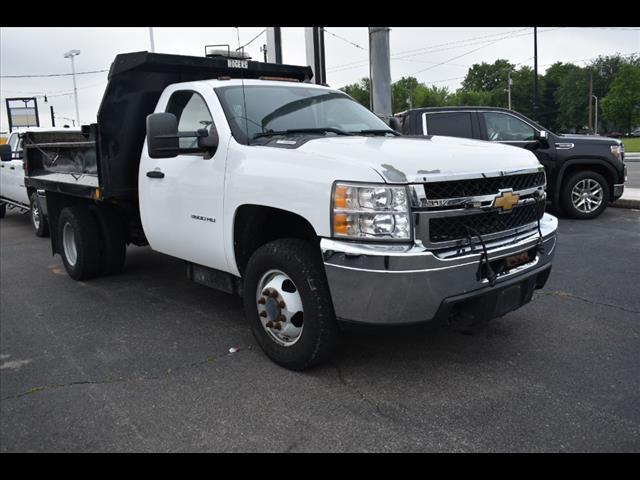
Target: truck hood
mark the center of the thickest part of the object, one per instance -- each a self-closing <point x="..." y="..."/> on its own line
<point x="416" y="159"/>
<point x="588" y="139"/>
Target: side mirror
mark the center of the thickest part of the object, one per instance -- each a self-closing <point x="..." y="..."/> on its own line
<point x="5" y="153"/>
<point x="208" y="140"/>
<point x="394" y="123"/>
<point x="162" y="135"/>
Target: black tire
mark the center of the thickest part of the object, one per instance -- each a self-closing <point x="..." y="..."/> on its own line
<point x="3" y="209"/>
<point x="301" y="262"/>
<point x="565" y="196"/>
<point x="86" y="234"/>
<point x="40" y="225"/>
<point x="113" y="240"/>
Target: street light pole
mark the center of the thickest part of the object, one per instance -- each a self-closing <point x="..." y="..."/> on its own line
<point x="70" y="54"/>
<point x="596" y="125"/>
<point x="509" y="82"/>
<point x="153" y="46"/>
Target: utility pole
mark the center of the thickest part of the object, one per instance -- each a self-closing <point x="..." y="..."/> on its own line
<point x="590" y="98"/>
<point x="153" y="46"/>
<point x="314" y="46"/>
<point x="263" y="49"/>
<point x="596" y="125"/>
<point x="53" y="118"/>
<point x="380" y="71"/>
<point x="274" y="45"/>
<point x="535" y="72"/>
<point x="509" y="83"/>
<point x="70" y="54"/>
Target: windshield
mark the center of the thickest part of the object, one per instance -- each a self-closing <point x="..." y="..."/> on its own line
<point x="293" y="110"/>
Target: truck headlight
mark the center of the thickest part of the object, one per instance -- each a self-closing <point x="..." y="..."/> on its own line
<point x="370" y="211"/>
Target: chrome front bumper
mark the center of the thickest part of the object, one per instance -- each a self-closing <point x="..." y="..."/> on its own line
<point x="399" y="284"/>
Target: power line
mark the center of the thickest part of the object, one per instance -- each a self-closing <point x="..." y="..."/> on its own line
<point x="431" y="48"/>
<point x="456" y="57"/>
<point x="54" y="74"/>
<point x="253" y="39"/>
<point x="345" y="40"/>
<point x="464" y="41"/>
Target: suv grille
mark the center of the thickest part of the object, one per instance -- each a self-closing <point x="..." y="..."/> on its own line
<point x="482" y="186"/>
<point x="454" y="228"/>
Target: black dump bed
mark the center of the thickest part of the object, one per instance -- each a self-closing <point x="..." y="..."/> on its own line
<point x="109" y="154"/>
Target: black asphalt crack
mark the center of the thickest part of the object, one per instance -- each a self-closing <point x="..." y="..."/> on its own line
<point x="586" y="300"/>
<point x="168" y="373"/>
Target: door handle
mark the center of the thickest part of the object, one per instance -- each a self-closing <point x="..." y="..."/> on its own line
<point x="12" y="168"/>
<point x="155" y="174"/>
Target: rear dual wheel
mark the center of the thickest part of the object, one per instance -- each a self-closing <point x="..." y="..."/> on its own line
<point x="91" y="243"/>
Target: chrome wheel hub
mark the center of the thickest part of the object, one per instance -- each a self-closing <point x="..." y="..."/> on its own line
<point x="587" y="195"/>
<point x="280" y="308"/>
<point x="69" y="244"/>
<point x="35" y="215"/>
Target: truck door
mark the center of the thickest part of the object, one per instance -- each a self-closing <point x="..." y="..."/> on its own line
<point x="505" y="128"/>
<point x="13" y="173"/>
<point x="181" y="197"/>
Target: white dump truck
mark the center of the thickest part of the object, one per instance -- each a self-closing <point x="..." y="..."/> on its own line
<point x="296" y="197"/>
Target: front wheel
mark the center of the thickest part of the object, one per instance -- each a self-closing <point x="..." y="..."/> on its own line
<point x="38" y="222"/>
<point x="288" y="304"/>
<point x="585" y="195"/>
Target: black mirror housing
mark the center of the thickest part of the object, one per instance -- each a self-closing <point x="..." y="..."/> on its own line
<point x="394" y="123"/>
<point x="5" y="153"/>
<point x="162" y="135"/>
<point x="163" y="138"/>
<point x="209" y="140"/>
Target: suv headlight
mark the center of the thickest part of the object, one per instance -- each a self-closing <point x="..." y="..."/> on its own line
<point x="617" y="150"/>
<point x="370" y="211"/>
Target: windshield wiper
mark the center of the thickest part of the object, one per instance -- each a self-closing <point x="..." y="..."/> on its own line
<point x="273" y="133"/>
<point x="375" y="132"/>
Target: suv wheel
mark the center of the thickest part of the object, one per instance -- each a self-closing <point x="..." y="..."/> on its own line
<point x="585" y="195"/>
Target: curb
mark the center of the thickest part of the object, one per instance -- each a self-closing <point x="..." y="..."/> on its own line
<point x="626" y="203"/>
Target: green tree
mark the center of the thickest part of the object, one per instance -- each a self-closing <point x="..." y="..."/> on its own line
<point x="606" y="68"/>
<point x="487" y="77"/>
<point x="403" y="92"/>
<point x="432" y="96"/>
<point x="360" y="91"/>
<point x="522" y="92"/>
<point x="622" y="103"/>
<point x="548" y="114"/>
<point x="573" y="100"/>
<point x="470" y="98"/>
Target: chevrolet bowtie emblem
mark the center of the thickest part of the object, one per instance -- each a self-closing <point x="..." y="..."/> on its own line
<point x="506" y="200"/>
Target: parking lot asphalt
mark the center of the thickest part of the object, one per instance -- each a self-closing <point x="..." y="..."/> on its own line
<point x="141" y="362"/>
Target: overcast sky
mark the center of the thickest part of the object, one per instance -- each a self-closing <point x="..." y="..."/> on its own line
<point x="433" y="55"/>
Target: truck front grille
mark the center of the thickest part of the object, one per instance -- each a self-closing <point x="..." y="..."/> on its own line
<point x="446" y="213"/>
<point x="445" y="229"/>
<point x="482" y="186"/>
